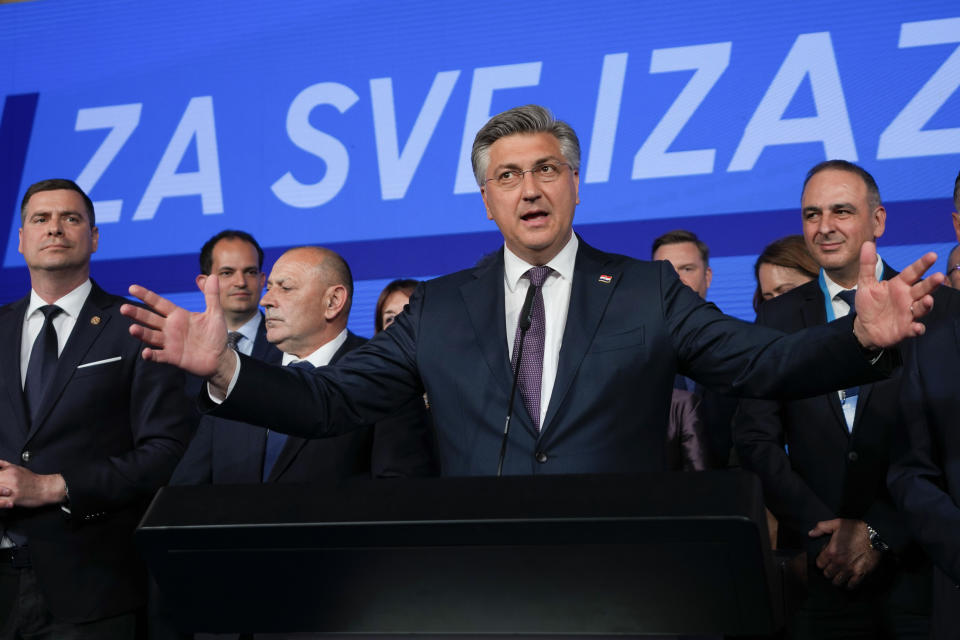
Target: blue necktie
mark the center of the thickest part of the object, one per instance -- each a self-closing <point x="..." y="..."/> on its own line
<point x="275" y="441"/>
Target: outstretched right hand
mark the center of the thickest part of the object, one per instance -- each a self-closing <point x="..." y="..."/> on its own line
<point x="195" y="342"/>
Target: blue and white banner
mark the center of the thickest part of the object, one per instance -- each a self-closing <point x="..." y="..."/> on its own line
<point x="349" y="124"/>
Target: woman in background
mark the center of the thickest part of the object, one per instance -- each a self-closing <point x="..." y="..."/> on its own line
<point x="392" y="300"/>
<point x="783" y="265"/>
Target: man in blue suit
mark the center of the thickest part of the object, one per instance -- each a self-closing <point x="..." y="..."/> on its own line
<point x="89" y="431"/>
<point x="924" y="476"/>
<point x="607" y="336"/>
<point x="235" y="258"/>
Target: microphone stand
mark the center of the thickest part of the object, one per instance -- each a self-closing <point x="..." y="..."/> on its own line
<point x="526" y="317"/>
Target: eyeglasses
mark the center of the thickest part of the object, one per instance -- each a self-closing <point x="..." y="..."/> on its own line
<point x="543" y="172"/>
<point x="955" y="267"/>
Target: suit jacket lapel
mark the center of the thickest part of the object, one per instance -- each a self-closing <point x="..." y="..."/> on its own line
<point x="814" y="313"/>
<point x="489" y="324"/>
<point x="489" y="327"/>
<point x="588" y="301"/>
<point x="293" y="445"/>
<point x="288" y="454"/>
<point x="90" y="323"/>
<point x="11" y="324"/>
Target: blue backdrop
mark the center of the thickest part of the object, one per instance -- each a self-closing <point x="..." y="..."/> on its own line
<point x="349" y="124"/>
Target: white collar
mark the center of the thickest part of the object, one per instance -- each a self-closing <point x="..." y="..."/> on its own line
<point x="833" y="288"/>
<point x="322" y="356"/>
<point x="562" y="264"/>
<point x="71" y="303"/>
<point x="249" y="328"/>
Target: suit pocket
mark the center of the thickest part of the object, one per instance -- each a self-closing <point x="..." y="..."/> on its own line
<point x="98" y="366"/>
<point x="621" y="340"/>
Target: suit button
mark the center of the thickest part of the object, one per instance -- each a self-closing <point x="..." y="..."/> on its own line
<point x="25" y="456"/>
<point x="853" y="456"/>
<point x="541" y="457"/>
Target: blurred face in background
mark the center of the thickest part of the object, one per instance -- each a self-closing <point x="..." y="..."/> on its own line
<point x="775" y="280"/>
<point x="237" y="265"/>
<point x="393" y="305"/>
<point x="687" y="260"/>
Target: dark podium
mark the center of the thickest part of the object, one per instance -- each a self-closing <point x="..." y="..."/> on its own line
<point x="580" y="555"/>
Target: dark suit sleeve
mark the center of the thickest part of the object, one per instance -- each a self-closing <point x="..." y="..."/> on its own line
<point x="759" y="439"/>
<point x="752" y="361"/>
<point x="917" y="478"/>
<point x="160" y="423"/>
<point x="367" y="385"/>
<point x="404" y="443"/>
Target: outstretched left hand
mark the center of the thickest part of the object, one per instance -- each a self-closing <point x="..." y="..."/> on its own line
<point x="888" y="310"/>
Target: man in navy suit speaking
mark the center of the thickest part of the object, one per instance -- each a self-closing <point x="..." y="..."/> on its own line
<point x="89" y="431"/>
<point x="607" y="334"/>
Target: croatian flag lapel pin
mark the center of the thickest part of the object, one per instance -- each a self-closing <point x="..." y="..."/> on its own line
<point x="605" y="279"/>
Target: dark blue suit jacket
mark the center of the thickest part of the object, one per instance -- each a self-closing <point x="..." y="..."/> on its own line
<point x="231" y="452"/>
<point x="924" y="474"/>
<point x="630" y="328"/>
<point x="830" y="472"/>
<point x="114" y="425"/>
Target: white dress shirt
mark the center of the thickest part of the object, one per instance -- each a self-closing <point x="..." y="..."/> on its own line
<point x="556" y="302"/>
<point x="63" y="322"/>
<point x="841" y="309"/>
<point x="322" y="356"/>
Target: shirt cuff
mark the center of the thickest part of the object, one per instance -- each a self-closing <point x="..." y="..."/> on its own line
<point x="233" y="381"/>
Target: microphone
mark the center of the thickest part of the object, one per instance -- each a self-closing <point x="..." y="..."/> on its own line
<point x="526" y="313"/>
<point x="523" y="323"/>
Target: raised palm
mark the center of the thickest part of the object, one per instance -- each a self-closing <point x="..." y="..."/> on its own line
<point x="192" y="341"/>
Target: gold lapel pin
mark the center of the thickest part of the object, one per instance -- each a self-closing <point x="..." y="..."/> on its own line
<point x="95" y="320"/>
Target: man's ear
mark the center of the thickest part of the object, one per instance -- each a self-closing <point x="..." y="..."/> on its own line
<point x="336" y="301"/>
<point x="483" y="194"/>
<point x="201" y="280"/>
<point x="879" y="222"/>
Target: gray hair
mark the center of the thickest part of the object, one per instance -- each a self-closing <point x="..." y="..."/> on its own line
<point x="531" y="118"/>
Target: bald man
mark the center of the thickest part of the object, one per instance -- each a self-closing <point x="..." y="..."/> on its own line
<point x="306" y="308"/>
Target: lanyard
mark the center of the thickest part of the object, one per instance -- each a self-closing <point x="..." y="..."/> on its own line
<point x="826" y="298"/>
